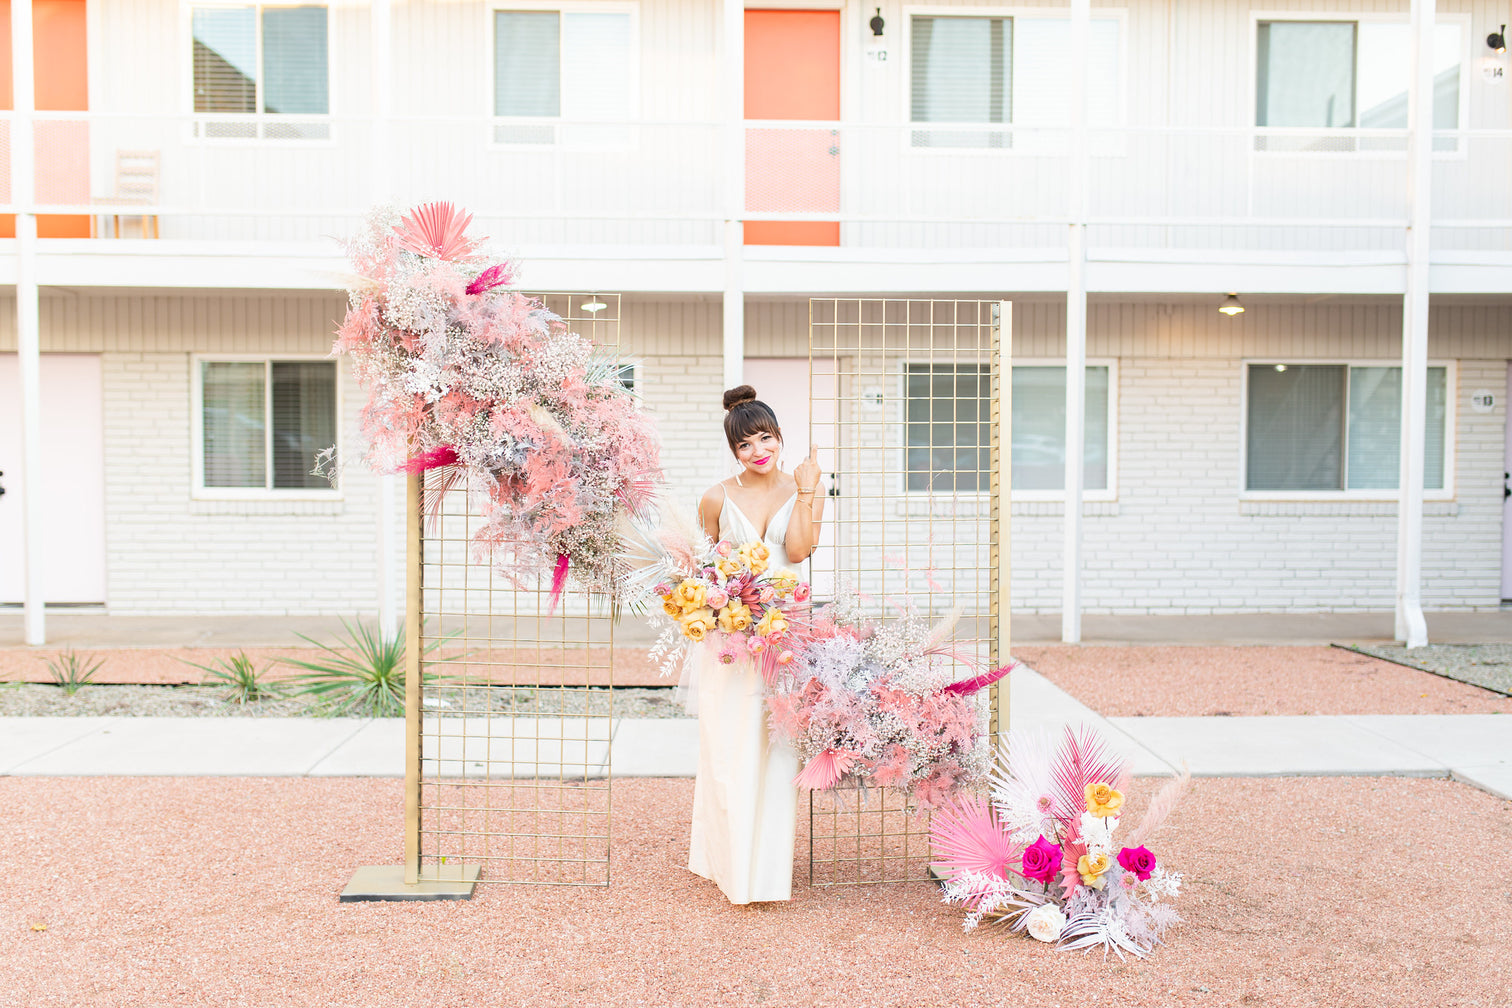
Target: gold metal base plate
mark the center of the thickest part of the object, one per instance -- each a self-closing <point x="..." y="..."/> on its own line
<point x="386" y="882"/>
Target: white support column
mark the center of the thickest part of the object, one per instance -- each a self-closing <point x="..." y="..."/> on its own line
<point x="732" y="65"/>
<point x="1411" y="628"/>
<point x="390" y="576"/>
<point x="1076" y="324"/>
<point x="28" y="323"/>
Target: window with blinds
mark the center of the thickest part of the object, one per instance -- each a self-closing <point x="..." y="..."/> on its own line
<point x="262" y="423"/>
<point x="1325" y="428"/>
<point x="573" y="67"/>
<point x="260" y="71"/>
<point x="949" y="438"/>
<point x="1342" y="75"/>
<point x="1009" y="70"/>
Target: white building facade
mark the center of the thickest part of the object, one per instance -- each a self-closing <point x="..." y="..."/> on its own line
<point x="164" y="391"/>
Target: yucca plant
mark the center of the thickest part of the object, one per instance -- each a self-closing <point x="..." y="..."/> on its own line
<point x="361" y="676"/>
<point x="71" y="671"/>
<point x="241" y="680"/>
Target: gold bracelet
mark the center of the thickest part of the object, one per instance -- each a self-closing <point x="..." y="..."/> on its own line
<point x="808" y="490"/>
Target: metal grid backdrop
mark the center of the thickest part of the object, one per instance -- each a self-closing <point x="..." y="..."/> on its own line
<point x="508" y="732"/>
<point x="919" y="455"/>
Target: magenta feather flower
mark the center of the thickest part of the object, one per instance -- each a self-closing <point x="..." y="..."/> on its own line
<point x="965" y="837"/>
<point x="436" y="230"/>
<point x="969" y="686"/>
<point x="490" y="278"/>
<point x="436" y="458"/>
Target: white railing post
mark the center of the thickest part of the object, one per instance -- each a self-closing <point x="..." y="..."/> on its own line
<point x="733" y="65"/>
<point x="381" y="148"/>
<point x="1411" y="628"/>
<point x="1076" y="325"/>
<point x="28" y="322"/>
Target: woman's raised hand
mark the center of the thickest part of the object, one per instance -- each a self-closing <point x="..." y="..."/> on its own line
<point x="806" y="473"/>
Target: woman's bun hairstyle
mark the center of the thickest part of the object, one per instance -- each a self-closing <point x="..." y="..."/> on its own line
<point x="746" y="416"/>
<point x="740" y="394"/>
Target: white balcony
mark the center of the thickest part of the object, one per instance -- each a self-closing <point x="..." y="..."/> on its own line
<point x="266" y="201"/>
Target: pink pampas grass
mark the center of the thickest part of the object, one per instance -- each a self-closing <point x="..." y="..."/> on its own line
<point x="490" y="278"/>
<point x="558" y="581"/>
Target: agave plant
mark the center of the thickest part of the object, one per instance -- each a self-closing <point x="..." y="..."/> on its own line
<point x="71" y="671"/>
<point x="361" y="676"/>
<point x="238" y="676"/>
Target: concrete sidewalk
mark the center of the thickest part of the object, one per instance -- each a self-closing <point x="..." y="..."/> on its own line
<point x="1474" y="748"/>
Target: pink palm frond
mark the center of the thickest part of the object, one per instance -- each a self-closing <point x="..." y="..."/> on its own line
<point x="437" y="230"/>
<point x="1083" y="758"/>
<point x="824" y="771"/>
<point x="966" y="837"/>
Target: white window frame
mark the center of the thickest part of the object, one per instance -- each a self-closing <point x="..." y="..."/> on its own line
<point x="629" y="137"/>
<point x="1451" y="382"/>
<point x="198" y="490"/>
<point x="1458" y="152"/>
<point x="900" y="435"/>
<point x="260" y="120"/>
<point x="1114" y="146"/>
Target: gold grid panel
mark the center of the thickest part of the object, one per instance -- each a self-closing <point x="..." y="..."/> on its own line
<point x="511" y="725"/>
<point x="919" y="464"/>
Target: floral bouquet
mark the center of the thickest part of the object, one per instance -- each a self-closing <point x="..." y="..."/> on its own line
<point x="467" y="375"/>
<point x="1066" y="885"/>
<point x="877" y="706"/>
<point x="731" y="599"/>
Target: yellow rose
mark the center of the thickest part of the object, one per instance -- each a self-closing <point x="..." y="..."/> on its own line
<point x="784" y="582"/>
<point x="1092" y="867"/>
<point x="771" y="623"/>
<point x="1103" y="801"/>
<point x="697" y="623"/>
<point x="690" y="595"/>
<point x="756" y="556"/>
<point x="734" y="617"/>
<point x="728" y="566"/>
<point x="671" y="606"/>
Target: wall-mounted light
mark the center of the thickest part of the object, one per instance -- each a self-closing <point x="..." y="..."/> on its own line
<point x="877" y="24"/>
<point x="1231" y="306"/>
<point x="1497" y="40"/>
<point x="593" y="306"/>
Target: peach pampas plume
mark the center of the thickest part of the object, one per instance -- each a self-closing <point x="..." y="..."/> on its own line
<point x="1161" y="805"/>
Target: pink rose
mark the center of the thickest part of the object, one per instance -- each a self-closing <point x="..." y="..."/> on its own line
<point x="663" y="589"/>
<point x="1042" y="861"/>
<point x="1137" y="860"/>
<point x="756" y="645"/>
<point x="801" y="593"/>
<point x="767" y="594"/>
<point x="716" y="599"/>
<point x="784" y="657"/>
<point x="724" y="547"/>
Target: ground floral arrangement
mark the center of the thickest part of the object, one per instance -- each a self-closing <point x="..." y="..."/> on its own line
<point x="866" y="703"/>
<point x="1040" y="855"/>
<point x="466" y="375"/>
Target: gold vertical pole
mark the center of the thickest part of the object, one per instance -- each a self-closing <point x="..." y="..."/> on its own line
<point x="1002" y="508"/>
<point x="412" y="651"/>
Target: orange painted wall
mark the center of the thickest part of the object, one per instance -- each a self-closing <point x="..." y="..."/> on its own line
<point x="61" y="55"/>
<point x="792" y="71"/>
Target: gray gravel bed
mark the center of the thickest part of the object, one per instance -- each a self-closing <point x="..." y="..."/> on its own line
<point x="38" y="700"/>
<point x="1488" y="666"/>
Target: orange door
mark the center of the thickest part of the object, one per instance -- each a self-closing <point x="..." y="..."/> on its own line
<point x="61" y="59"/>
<point x="792" y="71"/>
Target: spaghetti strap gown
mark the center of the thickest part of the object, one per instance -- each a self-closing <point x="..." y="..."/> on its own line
<point x="744" y="799"/>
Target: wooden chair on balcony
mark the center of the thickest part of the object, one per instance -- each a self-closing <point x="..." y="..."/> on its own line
<point x="136" y="184"/>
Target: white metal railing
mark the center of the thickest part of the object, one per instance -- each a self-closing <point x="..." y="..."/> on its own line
<point x="911" y="185"/>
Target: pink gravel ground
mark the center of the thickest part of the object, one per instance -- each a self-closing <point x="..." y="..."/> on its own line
<point x="166" y="892"/>
<point x="168" y="666"/>
<point x="1191" y="681"/>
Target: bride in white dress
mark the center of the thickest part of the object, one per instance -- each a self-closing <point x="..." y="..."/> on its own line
<point x="744" y="799"/>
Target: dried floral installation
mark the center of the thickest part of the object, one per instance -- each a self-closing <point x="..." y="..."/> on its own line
<point x="1040" y="856"/>
<point x="466" y="375"/>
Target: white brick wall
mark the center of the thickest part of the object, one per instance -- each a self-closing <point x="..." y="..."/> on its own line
<point x="170" y="553"/>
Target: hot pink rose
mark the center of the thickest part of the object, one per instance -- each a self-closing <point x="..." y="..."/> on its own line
<point x="1137" y="860"/>
<point x="801" y="593"/>
<point x="1042" y="861"/>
